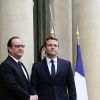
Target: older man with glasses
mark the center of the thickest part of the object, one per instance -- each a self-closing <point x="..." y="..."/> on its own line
<point x="14" y="79"/>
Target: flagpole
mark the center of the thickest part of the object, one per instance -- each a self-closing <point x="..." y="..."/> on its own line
<point x="80" y="81"/>
<point x="52" y="32"/>
<point x="77" y="34"/>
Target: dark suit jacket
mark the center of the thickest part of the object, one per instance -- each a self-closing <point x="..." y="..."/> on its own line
<point x="42" y="84"/>
<point x="13" y="83"/>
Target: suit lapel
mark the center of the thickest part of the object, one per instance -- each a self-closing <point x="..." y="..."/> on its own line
<point x="45" y="66"/>
<point x="58" y="66"/>
<point x="16" y="64"/>
<point x="59" y="69"/>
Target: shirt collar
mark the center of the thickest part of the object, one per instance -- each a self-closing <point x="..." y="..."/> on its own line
<point x="14" y="58"/>
<point x="48" y="59"/>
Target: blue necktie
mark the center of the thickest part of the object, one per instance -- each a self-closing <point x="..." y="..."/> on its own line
<point x="52" y="69"/>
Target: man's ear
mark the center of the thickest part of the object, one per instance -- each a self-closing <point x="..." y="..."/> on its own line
<point x="9" y="49"/>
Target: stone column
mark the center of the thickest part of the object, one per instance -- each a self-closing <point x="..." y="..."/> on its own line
<point x="63" y="27"/>
<point x="86" y="15"/>
<point x="16" y="19"/>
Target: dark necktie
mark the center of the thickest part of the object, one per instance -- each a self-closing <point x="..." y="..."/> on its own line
<point x="23" y="69"/>
<point x="20" y="66"/>
<point x="52" y="69"/>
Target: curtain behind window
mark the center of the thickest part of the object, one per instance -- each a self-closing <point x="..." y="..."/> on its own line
<point x="43" y="22"/>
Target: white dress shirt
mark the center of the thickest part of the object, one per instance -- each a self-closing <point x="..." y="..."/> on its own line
<point x="49" y="63"/>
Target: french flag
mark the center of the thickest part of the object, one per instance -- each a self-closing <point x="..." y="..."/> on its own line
<point x="79" y="77"/>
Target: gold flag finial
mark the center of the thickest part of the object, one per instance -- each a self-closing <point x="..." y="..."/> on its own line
<point x="52" y="33"/>
<point x="77" y="33"/>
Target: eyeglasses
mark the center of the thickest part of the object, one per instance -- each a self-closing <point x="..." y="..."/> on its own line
<point x="18" y="46"/>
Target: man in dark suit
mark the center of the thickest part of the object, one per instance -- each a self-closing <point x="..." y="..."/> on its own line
<point x="52" y="78"/>
<point x="14" y="79"/>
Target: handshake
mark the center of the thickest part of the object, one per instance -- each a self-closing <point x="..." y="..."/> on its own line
<point x="34" y="97"/>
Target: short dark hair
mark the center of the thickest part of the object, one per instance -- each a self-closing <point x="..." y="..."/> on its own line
<point x="50" y="38"/>
<point x="9" y="44"/>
